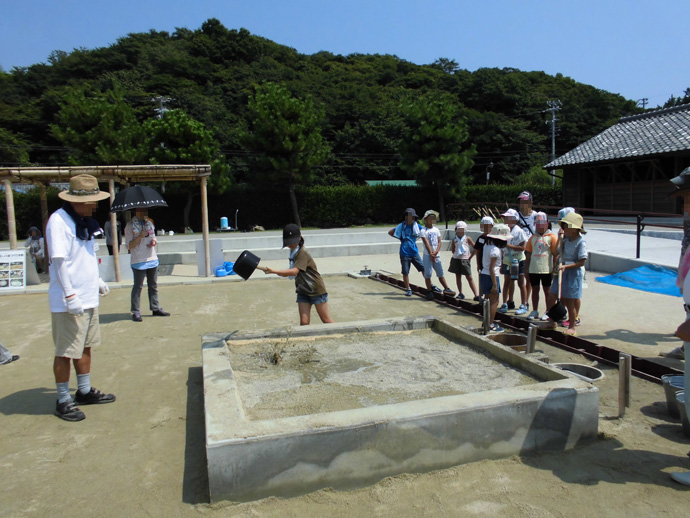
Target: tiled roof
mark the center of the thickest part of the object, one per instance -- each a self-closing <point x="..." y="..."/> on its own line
<point x="651" y="133"/>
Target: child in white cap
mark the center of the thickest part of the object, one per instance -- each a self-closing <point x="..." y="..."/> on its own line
<point x="515" y="250"/>
<point x="463" y="249"/>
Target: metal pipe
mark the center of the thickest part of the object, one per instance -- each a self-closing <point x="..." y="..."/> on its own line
<point x="531" y="338"/>
<point x="486" y="316"/>
<point x="624" y="374"/>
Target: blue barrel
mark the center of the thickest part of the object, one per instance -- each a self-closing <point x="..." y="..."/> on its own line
<point x="223" y="222"/>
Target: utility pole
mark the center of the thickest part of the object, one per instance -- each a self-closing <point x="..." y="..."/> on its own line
<point x="643" y="102"/>
<point x="161" y="105"/>
<point x="553" y="107"/>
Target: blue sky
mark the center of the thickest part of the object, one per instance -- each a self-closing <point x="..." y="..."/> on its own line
<point x="634" y="48"/>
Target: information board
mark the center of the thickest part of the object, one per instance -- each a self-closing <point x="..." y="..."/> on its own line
<point x="12" y="270"/>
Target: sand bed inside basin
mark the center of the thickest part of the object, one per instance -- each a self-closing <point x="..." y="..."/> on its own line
<point x="284" y="377"/>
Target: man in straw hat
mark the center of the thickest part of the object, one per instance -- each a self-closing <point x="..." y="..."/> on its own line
<point x="73" y="294"/>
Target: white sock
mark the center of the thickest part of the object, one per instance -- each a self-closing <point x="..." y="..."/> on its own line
<point x="84" y="383"/>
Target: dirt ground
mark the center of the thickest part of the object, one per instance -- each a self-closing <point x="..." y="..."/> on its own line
<point x="144" y="455"/>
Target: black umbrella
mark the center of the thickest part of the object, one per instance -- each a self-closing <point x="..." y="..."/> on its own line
<point x="137" y="197"/>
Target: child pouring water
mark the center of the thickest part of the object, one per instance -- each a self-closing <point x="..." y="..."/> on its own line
<point x="542" y="260"/>
<point x="309" y="285"/>
<point x="463" y="249"/>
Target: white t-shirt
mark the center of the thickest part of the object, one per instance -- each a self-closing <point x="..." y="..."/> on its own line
<point x="491" y="250"/>
<point x="80" y="259"/>
<point x="517" y="237"/>
<point x="432" y="235"/>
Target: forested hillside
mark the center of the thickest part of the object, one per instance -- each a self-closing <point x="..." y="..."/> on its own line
<point x="211" y="73"/>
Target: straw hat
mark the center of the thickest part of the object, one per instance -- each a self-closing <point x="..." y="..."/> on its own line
<point x="83" y="188"/>
<point x="500" y="231"/>
<point x="430" y="213"/>
<point x="573" y="220"/>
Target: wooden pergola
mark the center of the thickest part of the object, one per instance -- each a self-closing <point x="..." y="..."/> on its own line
<point x="122" y="174"/>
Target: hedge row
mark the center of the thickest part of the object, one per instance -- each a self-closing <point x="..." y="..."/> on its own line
<point x="324" y="207"/>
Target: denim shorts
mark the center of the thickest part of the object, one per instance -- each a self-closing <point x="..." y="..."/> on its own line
<point x="486" y="285"/>
<point x="316" y="299"/>
<point x="405" y="261"/>
<point x="505" y="268"/>
<point x="432" y="266"/>
<point x="572" y="284"/>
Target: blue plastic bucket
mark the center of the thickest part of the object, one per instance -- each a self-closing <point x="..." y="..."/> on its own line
<point x="220" y="271"/>
<point x="223" y="222"/>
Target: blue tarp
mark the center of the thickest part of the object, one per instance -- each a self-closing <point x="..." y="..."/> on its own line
<point x="656" y="279"/>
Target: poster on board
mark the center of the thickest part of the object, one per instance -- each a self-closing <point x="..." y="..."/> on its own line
<point x="12" y="270"/>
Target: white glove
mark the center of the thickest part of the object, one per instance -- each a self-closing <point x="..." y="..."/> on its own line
<point x="103" y="288"/>
<point x="74" y="305"/>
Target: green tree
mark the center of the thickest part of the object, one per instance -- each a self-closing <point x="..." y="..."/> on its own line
<point x="285" y="134"/>
<point x="13" y="149"/>
<point x="99" y="128"/>
<point x="432" y="150"/>
<point x="176" y="138"/>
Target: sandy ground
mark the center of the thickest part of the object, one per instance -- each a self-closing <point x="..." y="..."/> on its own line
<point x="144" y="455"/>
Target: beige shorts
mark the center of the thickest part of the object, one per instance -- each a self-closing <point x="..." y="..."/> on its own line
<point x="73" y="333"/>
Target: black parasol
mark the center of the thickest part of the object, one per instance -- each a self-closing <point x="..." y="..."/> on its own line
<point x="137" y="197"/>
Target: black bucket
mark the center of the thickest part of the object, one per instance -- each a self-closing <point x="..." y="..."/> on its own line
<point x="557" y="312"/>
<point x="246" y="264"/>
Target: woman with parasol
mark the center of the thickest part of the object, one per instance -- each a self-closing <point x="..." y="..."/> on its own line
<point x="140" y="238"/>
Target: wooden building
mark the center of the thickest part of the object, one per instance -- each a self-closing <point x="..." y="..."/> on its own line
<point x="628" y="166"/>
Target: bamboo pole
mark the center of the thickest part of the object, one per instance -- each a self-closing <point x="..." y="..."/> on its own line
<point x="204" y="224"/>
<point x="44" y="225"/>
<point x="113" y="226"/>
<point x="11" y="223"/>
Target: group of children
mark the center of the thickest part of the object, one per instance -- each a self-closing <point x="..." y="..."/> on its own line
<point x="523" y="250"/>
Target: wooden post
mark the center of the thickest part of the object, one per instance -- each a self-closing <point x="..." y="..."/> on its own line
<point x="204" y="224"/>
<point x="44" y="225"/>
<point x="113" y="226"/>
<point x="11" y="223"/>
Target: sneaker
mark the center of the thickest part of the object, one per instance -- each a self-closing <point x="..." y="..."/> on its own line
<point x="534" y="315"/>
<point x="68" y="411"/>
<point x="93" y="397"/>
<point x="436" y="288"/>
<point x="545" y="318"/>
<point x="477" y="298"/>
<point x="681" y="478"/>
<point x="676" y="354"/>
<point x="511" y="304"/>
<point x="566" y="323"/>
<point x="460" y="296"/>
<point x="503" y="308"/>
<point x="136" y="316"/>
<point x="160" y="313"/>
<point x="408" y="292"/>
<point x="430" y="295"/>
<point x="495" y="328"/>
<point x="524" y="308"/>
<point x="450" y="292"/>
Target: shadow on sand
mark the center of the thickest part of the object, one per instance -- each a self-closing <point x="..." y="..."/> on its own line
<point x="195" y="479"/>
